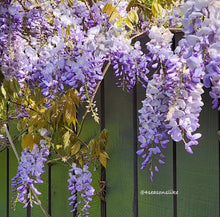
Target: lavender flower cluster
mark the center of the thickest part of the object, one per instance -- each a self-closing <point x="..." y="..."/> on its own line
<point x="173" y="101"/>
<point x="65" y="46"/>
<point x="173" y="96"/>
<point x="80" y="185"/>
<point x="29" y="173"/>
<point x="201" y="46"/>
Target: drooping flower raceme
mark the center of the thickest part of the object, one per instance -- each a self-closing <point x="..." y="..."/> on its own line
<point x="80" y="186"/>
<point x="173" y="102"/>
<point x="153" y="129"/>
<point x="29" y="173"/>
<point x="201" y="49"/>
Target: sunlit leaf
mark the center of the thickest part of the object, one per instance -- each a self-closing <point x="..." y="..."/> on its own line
<point x="111" y="11"/>
<point x="68" y="30"/>
<point x="133" y="17"/>
<point x="27" y="142"/>
<point x="3" y="92"/>
<point x="103" y="159"/>
<point x="59" y="147"/>
<point x="75" y="148"/>
<point x="156" y="8"/>
<point x="66" y="139"/>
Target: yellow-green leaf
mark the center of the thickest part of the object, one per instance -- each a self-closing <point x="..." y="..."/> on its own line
<point x="70" y="113"/>
<point x="68" y="30"/>
<point x="133" y="17"/>
<point x="75" y="148"/>
<point x="27" y="142"/>
<point x="59" y="147"/>
<point x="66" y="139"/>
<point x="103" y="159"/>
<point x="111" y="11"/>
<point x="156" y="8"/>
<point x="3" y="91"/>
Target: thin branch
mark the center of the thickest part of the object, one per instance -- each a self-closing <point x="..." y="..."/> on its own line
<point x="40" y="204"/>
<point x="31" y="7"/>
<point x="93" y="97"/>
<point x="87" y="5"/>
<point x="10" y="141"/>
<point x="26" y="107"/>
<point x="139" y="34"/>
<point x="16" y="137"/>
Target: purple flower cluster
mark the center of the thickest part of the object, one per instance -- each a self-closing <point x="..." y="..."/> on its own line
<point x="153" y="129"/>
<point x="173" y="101"/>
<point x="67" y="46"/>
<point x="129" y="63"/>
<point x="201" y="46"/>
<point x="80" y="186"/>
<point x="29" y="173"/>
<point x="185" y="102"/>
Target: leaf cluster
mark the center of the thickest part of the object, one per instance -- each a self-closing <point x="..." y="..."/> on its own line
<point x="98" y="148"/>
<point x="150" y="8"/>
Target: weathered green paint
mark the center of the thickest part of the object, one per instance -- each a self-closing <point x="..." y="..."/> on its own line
<point x="91" y="130"/>
<point x="60" y="193"/>
<point x="119" y="122"/>
<point x="3" y="183"/>
<point x="150" y="204"/>
<point x="198" y="173"/>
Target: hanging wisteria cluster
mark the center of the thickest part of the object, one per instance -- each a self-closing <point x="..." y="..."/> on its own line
<point x="29" y="173"/>
<point x="54" y="55"/>
<point x="80" y="183"/>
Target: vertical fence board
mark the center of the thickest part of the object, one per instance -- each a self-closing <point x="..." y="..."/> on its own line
<point x="3" y="183"/>
<point x="119" y="122"/>
<point x="198" y="173"/>
<point x="91" y="130"/>
<point x="60" y="193"/>
<point x="152" y="204"/>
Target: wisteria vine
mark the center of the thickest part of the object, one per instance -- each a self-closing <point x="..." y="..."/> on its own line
<point x="54" y="56"/>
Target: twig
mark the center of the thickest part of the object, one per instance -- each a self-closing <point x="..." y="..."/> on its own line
<point x="93" y="97"/>
<point x="10" y="141"/>
<point x="26" y="107"/>
<point x="40" y="204"/>
<point x="31" y="7"/>
<point x="87" y="5"/>
<point x="139" y="34"/>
